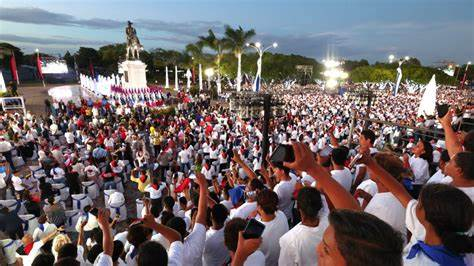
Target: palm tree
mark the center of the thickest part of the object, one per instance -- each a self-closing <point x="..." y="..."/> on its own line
<point x="218" y="45"/>
<point x="237" y="39"/>
<point x="195" y="50"/>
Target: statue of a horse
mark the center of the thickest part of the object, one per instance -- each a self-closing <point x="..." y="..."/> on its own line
<point x="133" y="48"/>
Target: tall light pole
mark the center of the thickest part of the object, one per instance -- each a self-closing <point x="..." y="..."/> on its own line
<point x="465" y="74"/>
<point x="260" y="50"/>
<point x="399" y="73"/>
<point x="209" y="73"/>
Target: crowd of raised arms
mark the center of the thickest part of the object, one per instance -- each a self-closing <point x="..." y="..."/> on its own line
<point x="98" y="183"/>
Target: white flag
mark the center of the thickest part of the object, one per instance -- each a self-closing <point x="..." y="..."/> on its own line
<point x="3" y="88"/>
<point x="428" y="101"/>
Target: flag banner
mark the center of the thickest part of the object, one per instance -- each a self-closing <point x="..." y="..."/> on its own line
<point x="399" y="79"/>
<point x="39" y="66"/>
<point x="3" y="88"/>
<point x="428" y="101"/>
<point x="91" y="70"/>
<point x="13" y="68"/>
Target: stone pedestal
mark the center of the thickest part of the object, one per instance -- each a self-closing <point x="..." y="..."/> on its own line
<point x="134" y="74"/>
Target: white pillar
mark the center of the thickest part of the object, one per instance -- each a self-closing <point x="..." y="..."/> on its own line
<point x="188" y="77"/>
<point x="176" y="82"/>
<point x="200" y="78"/>
<point x="167" y="84"/>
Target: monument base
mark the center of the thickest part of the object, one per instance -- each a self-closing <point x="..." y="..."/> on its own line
<point x="134" y="74"/>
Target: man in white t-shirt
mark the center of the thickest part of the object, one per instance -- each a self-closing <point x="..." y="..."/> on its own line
<point x="284" y="189"/>
<point x="341" y="173"/>
<point x="276" y="225"/>
<point x="184" y="159"/>
<point x="215" y="252"/>
<point x="297" y="246"/>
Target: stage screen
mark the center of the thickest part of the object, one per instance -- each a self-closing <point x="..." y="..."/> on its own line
<point x="54" y="67"/>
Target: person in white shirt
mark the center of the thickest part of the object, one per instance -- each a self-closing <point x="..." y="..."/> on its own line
<point x="440" y="174"/>
<point x="18" y="183"/>
<point x="184" y="158"/>
<point x="460" y="169"/>
<point x="297" y="246"/>
<point x="215" y="252"/>
<point x="419" y="164"/>
<point x="341" y="173"/>
<point x="242" y="251"/>
<point x="193" y="244"/>
<point x="438" y="221"/>
<point x="367" y="139"/>
<point x="284" y="189"/>
<point x="276" y="225"/>
<point x="208" y="170"/>
<point x="347" y="225"/>
<point x="384" y="205"/>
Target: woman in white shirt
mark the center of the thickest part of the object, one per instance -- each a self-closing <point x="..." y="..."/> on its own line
<point x="438" y="221"/>
<point x="419" y="163"/>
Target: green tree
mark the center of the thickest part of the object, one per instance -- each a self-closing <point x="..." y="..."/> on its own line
<point x="69" y="59"/>
<point x="218" y="46"/>
<point x="236" y="39"/>
<point x="87" y="55"/>
<point x="111" y="55"/>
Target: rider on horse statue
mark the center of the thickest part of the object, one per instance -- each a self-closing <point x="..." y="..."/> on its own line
<point x="133" y="44"/>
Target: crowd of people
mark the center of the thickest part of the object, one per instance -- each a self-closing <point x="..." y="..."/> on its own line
<point x="102" y="183"/>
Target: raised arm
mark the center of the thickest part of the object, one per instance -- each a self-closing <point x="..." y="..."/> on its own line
<point x="452" y="143"/>
<point x="249" y="172"/>
<point x="107" y="240"/>
<point x="304" y="161"/>
<point x="387" y="180"/>
<point x="202" y="206"/>
<point x="149" y="221"/>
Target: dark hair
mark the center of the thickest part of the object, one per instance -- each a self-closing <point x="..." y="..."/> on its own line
<point x="43" y="259"/>
<point x="94" y="252"/>
<point x="96" y="235"/>
<point x="364" y="239"/>
<point x="219" y="214"/>
<point x="137" y="234"/>
<point x="168" y="202"/>
<point x="118" y="250"/>
<point x="256" y="184"/>
<point x="450" y="211"/>
<point x="178" y="224"/>
<point x="469" y="141"/>
<point x="267" y="200"/>
<point x="309" y="202"/>
<point x="428" y="155"/>
<point x="369" y="135"/>
<point x="183" y="200"/>
<point x="465" y="161"/>
<point x="339" y="156"/>
<point x="445" y="156"/>
<point x="152" y="253"/>
<point x="68" y="261"/>
<point x="67" y="250"/>
<point x="390" y="163"/>
<point x="166" y="216"/>
<point x="231" y="232"/>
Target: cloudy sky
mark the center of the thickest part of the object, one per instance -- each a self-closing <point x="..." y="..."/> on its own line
<point x="431" y="30"/>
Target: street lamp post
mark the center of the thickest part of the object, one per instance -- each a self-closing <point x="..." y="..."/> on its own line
<point x="260" y="51"/>
<point x="391" y="58"/>
<point x="399" y="73"/>
<point x="465" y="74"/>
<point x="209" y="73"/>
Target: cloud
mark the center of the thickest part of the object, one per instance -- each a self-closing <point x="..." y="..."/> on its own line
<point x="317" y="45"/>
<point x="44" y="17"/>
<point x="54" y="40"/>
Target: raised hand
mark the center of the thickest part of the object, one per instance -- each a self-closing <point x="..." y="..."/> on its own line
<point x="304" y="158"/>
<point x="103" y="218"/>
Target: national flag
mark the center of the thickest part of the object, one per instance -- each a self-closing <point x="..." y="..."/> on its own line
<point x="13" y="68"/>
<point x="39" y="65"/>
<point x="91" y="70"/>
